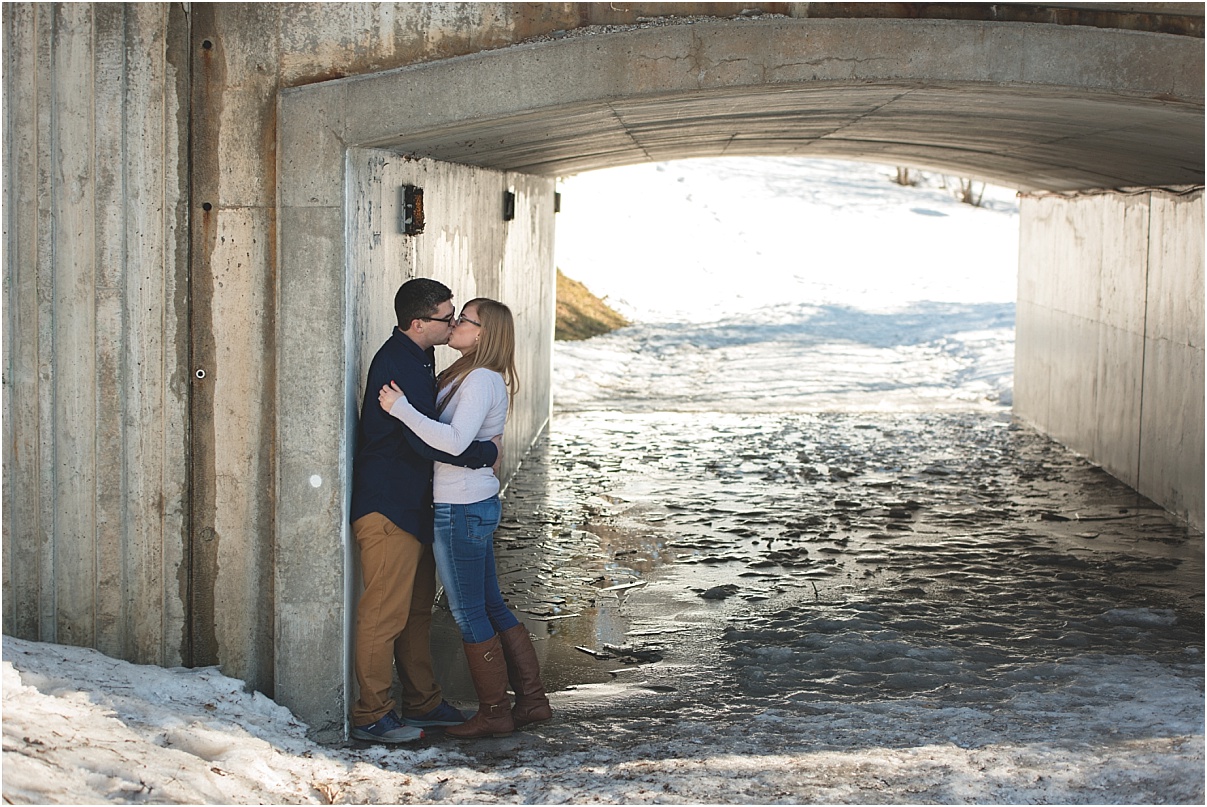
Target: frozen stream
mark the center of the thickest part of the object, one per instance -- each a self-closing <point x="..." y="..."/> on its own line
<point x="867" y="608"/>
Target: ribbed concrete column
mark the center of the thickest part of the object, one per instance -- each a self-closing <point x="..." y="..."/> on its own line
<point x="96" y="375"/>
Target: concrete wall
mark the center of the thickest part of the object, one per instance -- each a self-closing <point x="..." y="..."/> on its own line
<point x="96" y="369"/>
<point x="1109" y="335"/>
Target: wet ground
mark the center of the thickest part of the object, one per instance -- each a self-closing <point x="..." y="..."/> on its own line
<point x="854" y="583"/>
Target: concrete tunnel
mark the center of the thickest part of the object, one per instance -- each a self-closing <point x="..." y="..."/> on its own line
<point x="1101" y="129"/>
<point x="203" y="213"/>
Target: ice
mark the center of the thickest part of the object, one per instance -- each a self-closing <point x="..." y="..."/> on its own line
<point x="1140" y="617"/>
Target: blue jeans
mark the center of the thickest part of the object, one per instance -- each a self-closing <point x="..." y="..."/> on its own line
<point x="465" y="556"/>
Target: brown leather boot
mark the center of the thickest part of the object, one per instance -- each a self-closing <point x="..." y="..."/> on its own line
<point x="524" y="674"/>
<point x="489" y="670"/>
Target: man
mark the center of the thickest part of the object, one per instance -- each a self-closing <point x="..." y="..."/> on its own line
<point x="392" y="521"/>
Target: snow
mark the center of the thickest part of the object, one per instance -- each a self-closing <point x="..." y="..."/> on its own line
<point x="811" y="341"/>
<point x="82" y="728"/>
<point x="902" y="297"/>
<point x="759" y="233"/>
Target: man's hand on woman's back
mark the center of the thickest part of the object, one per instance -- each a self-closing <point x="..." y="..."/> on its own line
<point x="498" y="441"/>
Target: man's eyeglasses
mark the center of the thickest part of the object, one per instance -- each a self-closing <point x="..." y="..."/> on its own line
<point x="446" y="320"/>
<point x="464" y="318"/>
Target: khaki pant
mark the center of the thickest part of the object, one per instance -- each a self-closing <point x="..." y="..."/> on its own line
<point x="393" y="620"/>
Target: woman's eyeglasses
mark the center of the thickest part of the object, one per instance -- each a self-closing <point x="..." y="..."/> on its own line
<point x="464" y="318"/>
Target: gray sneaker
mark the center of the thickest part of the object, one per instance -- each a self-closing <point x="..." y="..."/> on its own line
<point x="387" y="729"/>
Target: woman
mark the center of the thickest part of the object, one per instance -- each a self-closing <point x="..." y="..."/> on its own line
<point x="472" y="400"/>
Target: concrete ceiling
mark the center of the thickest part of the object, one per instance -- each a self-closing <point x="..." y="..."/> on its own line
<point x="1022" y="139"/>
<point x="1030" y="106"/>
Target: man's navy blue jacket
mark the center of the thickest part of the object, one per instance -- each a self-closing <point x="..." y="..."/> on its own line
<point x="392" y="471"/>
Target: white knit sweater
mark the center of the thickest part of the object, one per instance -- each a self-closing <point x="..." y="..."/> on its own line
<point x="477" y="411"/>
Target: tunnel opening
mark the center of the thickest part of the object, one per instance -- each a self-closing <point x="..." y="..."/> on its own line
<point x="929" y="93"/>
<point x="792" y="284"/>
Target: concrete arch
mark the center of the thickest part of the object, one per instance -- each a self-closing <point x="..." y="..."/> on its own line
<point x="1037" y="107"/>
<point x="1034" y="106"/>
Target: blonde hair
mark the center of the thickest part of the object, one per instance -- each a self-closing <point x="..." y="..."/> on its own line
<point x="495" y="350"/>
